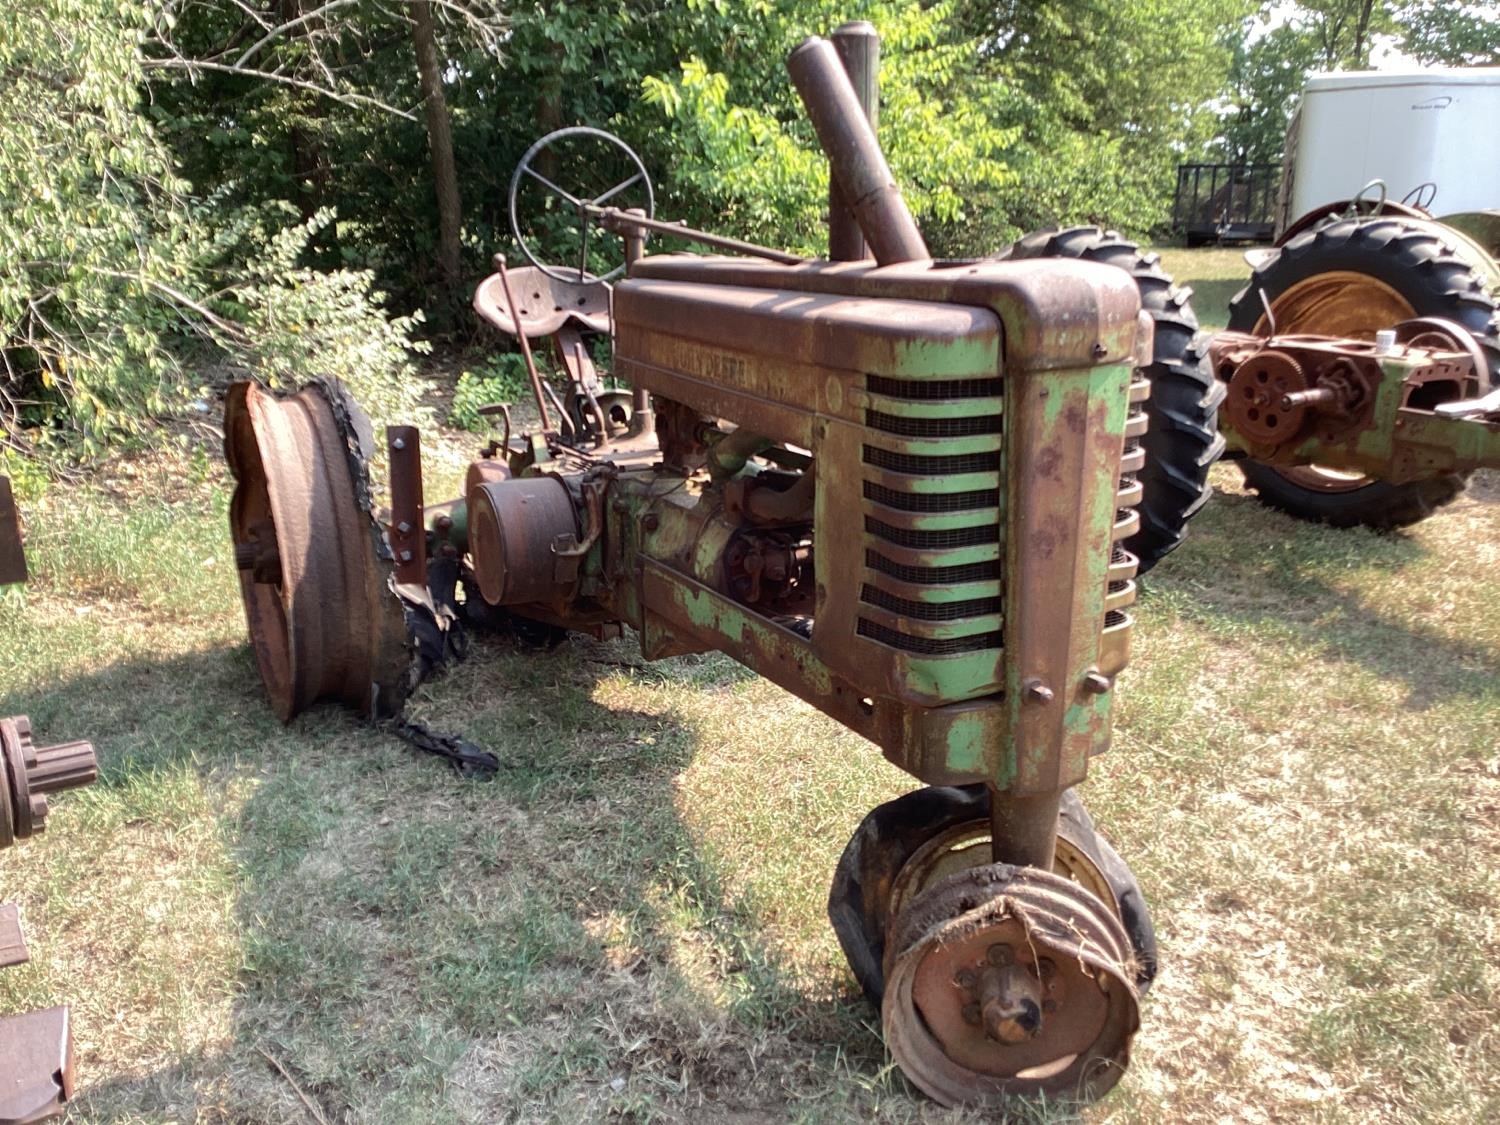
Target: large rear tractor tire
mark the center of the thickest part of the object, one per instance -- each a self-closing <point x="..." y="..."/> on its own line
<point x="1351" y="278"/>
<point x="1183" y="440"/>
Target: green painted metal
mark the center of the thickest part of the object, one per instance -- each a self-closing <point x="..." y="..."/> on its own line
<point x="1064" y="437"/>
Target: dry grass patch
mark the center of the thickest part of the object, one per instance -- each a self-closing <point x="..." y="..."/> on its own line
<point x="629" y="920"/>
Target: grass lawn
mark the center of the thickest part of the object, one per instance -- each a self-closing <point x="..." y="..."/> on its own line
<point x="259" y="923"/>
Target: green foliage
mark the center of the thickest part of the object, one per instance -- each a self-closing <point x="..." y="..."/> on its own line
<point x="1451" y="32"/>
<point x="301" y="324"/>
<point x="115" y="281"/>
<point x="1265" y="82"/>
<point x="502" y="378"/>
<point x="96" y="239"/>
<point x="757" y="170"/>
<point x="1109" y="96"/>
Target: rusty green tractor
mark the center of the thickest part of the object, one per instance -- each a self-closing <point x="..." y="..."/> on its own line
<point x="903" y="490"/>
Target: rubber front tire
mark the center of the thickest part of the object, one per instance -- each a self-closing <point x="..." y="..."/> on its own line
<point x="1183" y="441"/>
<point x="1405" y="263"/>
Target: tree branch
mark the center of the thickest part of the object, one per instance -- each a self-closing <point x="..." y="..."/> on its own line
<point x="277" y="32"/>
<point x="193" y="65"/>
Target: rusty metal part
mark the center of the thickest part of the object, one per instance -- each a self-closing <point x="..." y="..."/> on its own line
<point x="1023" y="827"/>
<point x="583" y="209"/>
<point x="1441" y="334"/>
<point x="968" y="844"/>
<point x="1361" y="412"/>
<point x="514" y="526"/>
<point x="858" y="46"/>
<point x="531" y="371"/>
<point x="1258" y="404"/>
<point x="407" y="527"/>
<point x="855" y="160"/>
<point x="12" y="549"/>
<point x="36" y="1066"/>
<point x="632" y="225"/>
<point x="29" y="772"/>
<point x="13" y="949"/>
<point x="970" y="1033"/>
<point x="324" y="622"/>
<point x="548" y="303"/>
<point x="486" y="470"/>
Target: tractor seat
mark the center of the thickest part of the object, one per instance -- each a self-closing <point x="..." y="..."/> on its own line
<point x="546" y="303"/>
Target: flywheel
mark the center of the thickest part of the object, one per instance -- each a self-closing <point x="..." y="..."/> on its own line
<point x="1005" y="982"/>
<point x="315" y="568"/>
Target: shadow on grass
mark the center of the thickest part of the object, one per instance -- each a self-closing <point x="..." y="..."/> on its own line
<point x="409" y="945"/>
<point x="1246" y="570"/>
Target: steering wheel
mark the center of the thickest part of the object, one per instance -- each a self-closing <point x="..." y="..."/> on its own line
<point x="1421" y="196"/>
<point x="586" y="207"/>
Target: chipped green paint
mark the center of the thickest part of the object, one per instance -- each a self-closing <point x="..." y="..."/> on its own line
<point x="1064" y="435"/>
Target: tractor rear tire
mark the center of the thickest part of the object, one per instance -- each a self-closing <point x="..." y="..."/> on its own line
<point x="1183" y="441"/>
<point x="1393" y="269"/>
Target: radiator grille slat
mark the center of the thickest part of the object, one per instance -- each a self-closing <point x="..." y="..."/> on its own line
<point x="930" y="611"/>
<point x="931" y="501"/>
<point x="927" y="646"/>
<point x="933" y="427"/>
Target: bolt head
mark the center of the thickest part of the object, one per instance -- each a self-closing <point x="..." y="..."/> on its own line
<point x="1097" y="683"/>
<point x="971" y="1013"/>
<point x="406" y="556"/>
<point x="1035" y="691"/>
<point x="965" y="978"/>
<point x="404" y="528"/>
<point x="1001" y="955"/>
<point x="398" y="443"/>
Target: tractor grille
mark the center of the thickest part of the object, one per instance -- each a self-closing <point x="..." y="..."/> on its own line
<point x="932" y="496"/>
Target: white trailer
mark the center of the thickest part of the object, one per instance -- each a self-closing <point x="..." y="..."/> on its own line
<point x="1435" y="126"/>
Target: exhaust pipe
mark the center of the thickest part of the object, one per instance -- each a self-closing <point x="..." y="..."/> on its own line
<point x="858" y="46"/>
<point x="854" y="157"/>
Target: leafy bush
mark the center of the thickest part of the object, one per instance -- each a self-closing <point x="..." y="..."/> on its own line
<point x="300" y="324"/>
<point x="501" y="379"/>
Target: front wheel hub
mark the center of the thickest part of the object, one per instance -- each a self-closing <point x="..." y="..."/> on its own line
<point x="1007" y="982"/>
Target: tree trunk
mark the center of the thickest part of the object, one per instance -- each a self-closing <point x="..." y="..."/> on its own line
<point x="440" y="141"/>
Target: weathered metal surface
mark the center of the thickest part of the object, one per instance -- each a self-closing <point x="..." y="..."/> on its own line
<point x="631" y="225"/>
<point x="406" y="530"/>
<point x="12" y="548"/>
<point x="858" y="47"/>
<point x="547" y="303"/>
<point x="13" y="949"/>
<point x="966" y="1034"/>
<point x="29" y="772"/>
<point x="1064" y="436"/>
<point x="36" y="1049"/>
<point x="1056" y="314"/>
<point x="326" y="624"/>
<point x="531" y="372"/>
<point x="854" y="157"/>
<point x="1344" y="406"/>
<point x="514" y="526"/>
<point x="36" y="1066"/>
